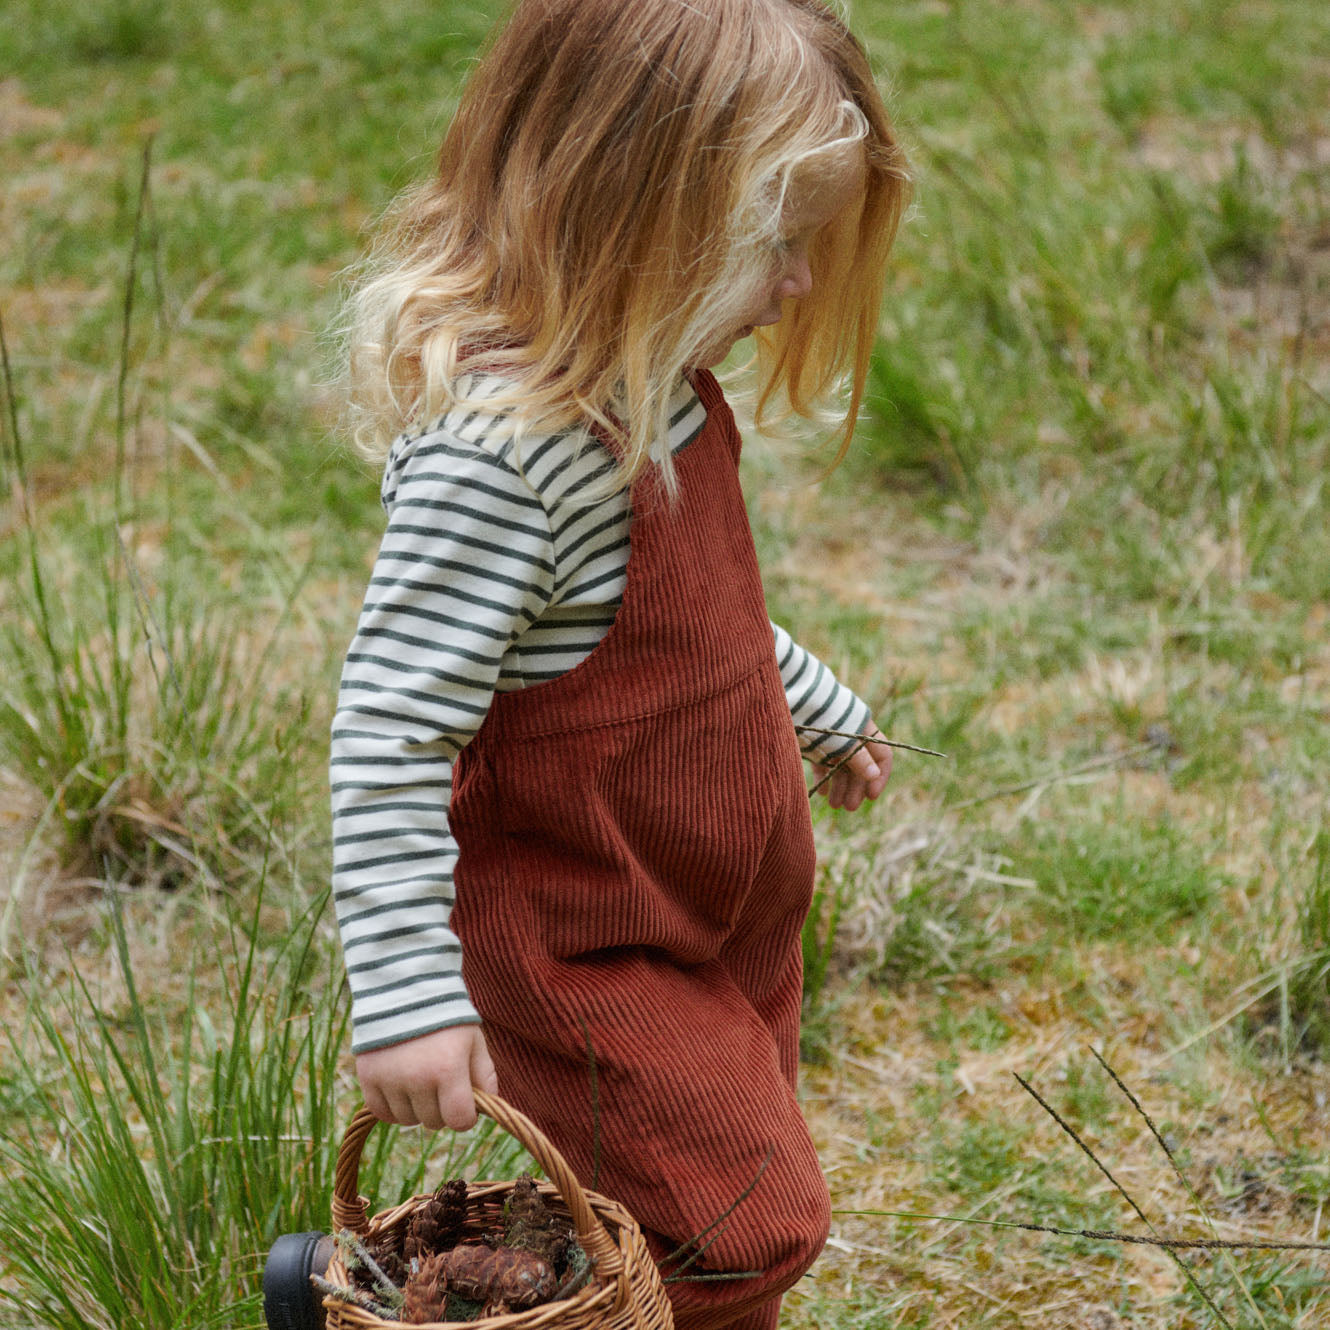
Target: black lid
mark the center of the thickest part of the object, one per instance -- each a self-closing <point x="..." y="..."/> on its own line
<point x="290" y="1302"/>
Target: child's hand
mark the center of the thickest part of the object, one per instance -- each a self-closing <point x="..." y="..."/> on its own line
<point x="428" y="1080"/>
<point x="864" y="776"/>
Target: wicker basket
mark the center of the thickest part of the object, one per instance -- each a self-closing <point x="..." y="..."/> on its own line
<point x="624" y="1292"/>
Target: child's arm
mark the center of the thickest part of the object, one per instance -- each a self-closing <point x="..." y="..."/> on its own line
<point x="444" y="601"/>
<point x="824" y="711"/>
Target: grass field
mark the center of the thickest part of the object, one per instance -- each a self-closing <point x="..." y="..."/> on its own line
<point x="1081" y="547"/>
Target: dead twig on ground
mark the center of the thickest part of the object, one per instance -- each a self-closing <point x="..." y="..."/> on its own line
<point x="1103" y="1234"/>
<point x="1177" y="1260"/>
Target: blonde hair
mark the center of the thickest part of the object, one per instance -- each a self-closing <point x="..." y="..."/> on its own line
<point x="608" y="191"/>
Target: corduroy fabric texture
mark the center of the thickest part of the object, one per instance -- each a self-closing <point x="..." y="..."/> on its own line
<point x="636" y="864"/>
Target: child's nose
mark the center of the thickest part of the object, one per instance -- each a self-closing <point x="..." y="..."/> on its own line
<point x="797" y="279"/>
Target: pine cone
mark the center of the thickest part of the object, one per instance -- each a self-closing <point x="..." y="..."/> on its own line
<point x="439" y="1222"/>
<point x="519" y="1279"/>
<point x="387" y="1252"/>
<point x="426" y="1291"/>
<point x="530" y="1226"/>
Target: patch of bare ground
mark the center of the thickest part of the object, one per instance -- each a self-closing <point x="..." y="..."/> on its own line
<point x="19" y="116"/>
<point x="53" y="906"/>
<point x="50" y="305"/>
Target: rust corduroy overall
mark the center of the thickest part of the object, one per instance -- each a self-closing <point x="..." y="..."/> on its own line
<point x="636" y="863"/>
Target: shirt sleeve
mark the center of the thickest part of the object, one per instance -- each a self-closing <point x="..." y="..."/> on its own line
<point x="819" y="703"/>
<point x="465" y="566"/>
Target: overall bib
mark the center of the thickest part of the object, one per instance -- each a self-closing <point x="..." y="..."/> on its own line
<point x="636" y="861"/>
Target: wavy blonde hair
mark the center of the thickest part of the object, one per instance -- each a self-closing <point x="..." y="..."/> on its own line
<point x="608" y="195"/>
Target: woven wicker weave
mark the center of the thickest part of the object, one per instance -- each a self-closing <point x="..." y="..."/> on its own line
<point x="623" y="1293"/>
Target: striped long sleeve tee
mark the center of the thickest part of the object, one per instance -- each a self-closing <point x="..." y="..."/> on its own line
<point x="493" y="573"/>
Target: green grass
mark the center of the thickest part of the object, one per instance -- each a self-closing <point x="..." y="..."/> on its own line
<point x="160" y="1142"/>
<point x="1120" y="879"/>
<point x="1080" y="547"/>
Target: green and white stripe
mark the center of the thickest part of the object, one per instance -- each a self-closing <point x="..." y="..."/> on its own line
<point x="493" y="574"/>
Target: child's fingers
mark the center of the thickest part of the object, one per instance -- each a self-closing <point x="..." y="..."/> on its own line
<point x="852" y="794"/>
<point x="483" y="1075"/>
<point x="863" y="765"/>
<point x="856" y="778"/>
<point x="843" y="790"/>
<point x="881" y="756"/>
<point x="376" y="1102"/>
<point x="400" y="1109"/>
<point x="455" y="1107"/>
<point x="861" y="775"/>
<point x="428" y="1079"/>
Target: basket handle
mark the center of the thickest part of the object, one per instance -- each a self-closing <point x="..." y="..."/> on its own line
<point x="350" y="1210"/>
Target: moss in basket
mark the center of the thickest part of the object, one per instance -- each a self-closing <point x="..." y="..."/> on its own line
<point x="576" y="1271"/>
<point x="367" y="1272"/>
<point x="459" y="1308"/>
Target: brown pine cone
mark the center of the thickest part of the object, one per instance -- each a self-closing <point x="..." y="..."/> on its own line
<point x="426" y="1291"/>
<point x="520" y="1279"/>
<point x="439" y="1222"/>
<point x="529" y="1225"/>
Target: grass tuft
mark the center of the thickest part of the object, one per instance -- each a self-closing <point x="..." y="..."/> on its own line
<point x="1118" y="879"/>
<point x="163" y="1147"/>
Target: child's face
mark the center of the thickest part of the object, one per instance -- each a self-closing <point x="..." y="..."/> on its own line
<point x="816" y="197"/>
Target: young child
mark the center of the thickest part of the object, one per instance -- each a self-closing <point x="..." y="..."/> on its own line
<point x="570" y="813"/>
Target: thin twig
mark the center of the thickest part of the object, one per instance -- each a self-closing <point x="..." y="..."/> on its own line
<point x="871" y="738"/>
<point x="696" y="1239"/>
<point x="352" y="1246"/>
<point x="1126" y="1195"/>
<point x="572" y="1282"/>
<point x="595" y="1104"/>
<point x="1102" y="1235"/>
<point x="836" y="766"/>
<point x="340" y="1293"/>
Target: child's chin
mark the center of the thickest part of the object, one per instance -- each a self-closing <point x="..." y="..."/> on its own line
<point x="708" y="358"/>
<point x="711" y="356"/>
